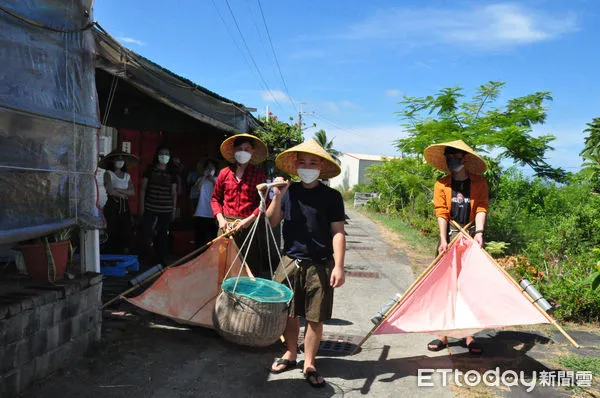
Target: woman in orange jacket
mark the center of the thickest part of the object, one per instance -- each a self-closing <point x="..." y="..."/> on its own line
<point x="462" y="196"/>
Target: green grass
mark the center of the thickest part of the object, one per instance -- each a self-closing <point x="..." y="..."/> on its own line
<point x="577" y="363"/>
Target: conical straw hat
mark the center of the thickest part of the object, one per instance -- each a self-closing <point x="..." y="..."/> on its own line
<point x="106" y="162"/>
<point x="260" y="149"/>
<point x="286" y="160"/>
<point x="434" y="155"/>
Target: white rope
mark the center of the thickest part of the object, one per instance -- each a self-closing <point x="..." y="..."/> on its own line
<point x="250" y="237"/>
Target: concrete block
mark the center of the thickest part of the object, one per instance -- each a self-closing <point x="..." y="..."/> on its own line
<point x="52" y="337"/>
<point x="94" y="296"/>
<point x="3" y="310"/>
<point x="42" y="365"/>
<point x="60" y="311"/>
<point x="75" y="303"/>
<point x="7" y="357"/>
<point x="38" y="343"/>
<point x="11" y="329"/>
<point x="60" y="357"/>
<point x="97" y="334"/>
<point x="46" y="315"/>
<point x="23" y="353"/>
<point x="65" y="329"/>
<point x="31" y="322"/>
<point x="10" y="384"/>
<point x="14" y="307"/>
<point x="26" y="375"/>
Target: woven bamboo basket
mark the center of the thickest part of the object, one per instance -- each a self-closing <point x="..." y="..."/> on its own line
<point x="244" y="321"/>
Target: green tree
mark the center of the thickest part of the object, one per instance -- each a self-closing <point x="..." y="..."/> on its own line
<point x="591" y="153"/>
<point x="485" y="127"/>
<point x="278" y="136"/>
<point x="321" y="137"/>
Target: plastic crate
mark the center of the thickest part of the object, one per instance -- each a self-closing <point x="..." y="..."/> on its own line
<point x="117" y="264"/>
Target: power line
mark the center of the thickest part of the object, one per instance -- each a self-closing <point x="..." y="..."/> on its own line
<point x="275" y="55"/>
<point x="250" y="54"/>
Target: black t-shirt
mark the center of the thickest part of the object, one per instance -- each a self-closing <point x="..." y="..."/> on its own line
<point x="461" y="201"/>
<point x="308" y="214"/>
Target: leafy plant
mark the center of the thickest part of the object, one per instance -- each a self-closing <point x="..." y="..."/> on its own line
<point x="445" y="117"/>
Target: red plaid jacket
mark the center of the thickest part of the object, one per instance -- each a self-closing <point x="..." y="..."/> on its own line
<point x="237" y="198"/>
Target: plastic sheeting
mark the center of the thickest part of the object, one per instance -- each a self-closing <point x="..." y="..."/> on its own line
<point x="463" y="293"/>
<point x="48" y="118"/>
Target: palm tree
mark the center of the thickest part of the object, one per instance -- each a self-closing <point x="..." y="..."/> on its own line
<point x="591" y="153"/>
<point x="592" y="141"/>
<point x="321" y="137"/>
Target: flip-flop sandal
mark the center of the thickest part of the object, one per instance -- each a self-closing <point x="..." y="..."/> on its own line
<point x="475" y="346"/>
<point x="439" y="345"/>
<point x="316" y="375"/>
<point x="289" y="365"/>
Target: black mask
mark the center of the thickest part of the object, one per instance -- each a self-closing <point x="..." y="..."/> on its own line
<point x="454" y="164"/>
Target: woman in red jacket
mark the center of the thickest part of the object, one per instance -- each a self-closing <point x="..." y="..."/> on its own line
<point x="461" y="196"/>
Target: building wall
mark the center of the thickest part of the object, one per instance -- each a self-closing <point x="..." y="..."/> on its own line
<point x="362" y="170"/>
<point x="349" y="175"/>
<point x="43" y="328"/>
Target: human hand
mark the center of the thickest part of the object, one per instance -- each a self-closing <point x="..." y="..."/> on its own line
<point x="281" y="190"/>
<point x="246" y="222"/>
<point x="443" y="247"/>
<point x="337" y="277"/>
<point x="479" y="239"/>
<point x="222" y="223"/>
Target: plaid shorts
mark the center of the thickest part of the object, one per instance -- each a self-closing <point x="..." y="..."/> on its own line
<point x="313" y="294"/>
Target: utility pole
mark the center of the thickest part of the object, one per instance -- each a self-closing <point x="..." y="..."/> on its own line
<point x="268" y="117"/>
<point x="300" y="116"/>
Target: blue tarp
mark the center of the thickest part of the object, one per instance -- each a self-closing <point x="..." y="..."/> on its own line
<point x="49" y="118"/>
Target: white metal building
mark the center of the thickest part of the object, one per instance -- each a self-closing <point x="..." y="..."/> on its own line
<point x="354" y="169"/>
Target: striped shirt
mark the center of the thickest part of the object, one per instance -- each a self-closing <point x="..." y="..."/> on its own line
<point x="159" y="194"/>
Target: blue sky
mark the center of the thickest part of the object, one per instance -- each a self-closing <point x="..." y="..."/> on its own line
<point x="350" y="62"/>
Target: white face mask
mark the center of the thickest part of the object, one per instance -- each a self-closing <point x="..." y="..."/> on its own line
<point x="209" y="172"/>
<point x="308" y="175"/>
<point x="164" y="159"/>
<point x="242" y="157"/>
<point x="119" y="164"/>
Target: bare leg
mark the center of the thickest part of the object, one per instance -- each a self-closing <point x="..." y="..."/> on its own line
<point x="292" y="330"/>
<point x="312" y="339"/>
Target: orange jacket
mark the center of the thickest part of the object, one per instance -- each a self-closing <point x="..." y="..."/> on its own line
<point x="442" y="196"/>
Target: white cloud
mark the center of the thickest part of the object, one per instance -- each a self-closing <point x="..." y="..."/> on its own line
<point x="491" y="26"/>
<point x="274" y="95"/>
<point x="373" y="140"/>
<point x="393" y="92"/>
<point x="130" y="40"/>
<point x="349" y="104"/>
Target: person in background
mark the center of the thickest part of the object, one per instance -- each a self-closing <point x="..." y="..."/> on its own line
<point x="205" y="225"/>
<point x="119" y="187"/>
<point x="461" y="196"/>
<point x="158" y="201"/>
<point x="193" y="177"/>
<point x="236" y="198"/>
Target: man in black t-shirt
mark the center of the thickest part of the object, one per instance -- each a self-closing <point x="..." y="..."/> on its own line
<point x="314" y="246"/>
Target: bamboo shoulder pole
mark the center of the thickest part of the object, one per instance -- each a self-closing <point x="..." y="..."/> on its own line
<point x="516" y="284"/>
<point x="406" y="293"/>
<point x="174" y="264"/>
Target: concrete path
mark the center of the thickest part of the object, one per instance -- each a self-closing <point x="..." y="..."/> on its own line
<point x="145" y="355"/>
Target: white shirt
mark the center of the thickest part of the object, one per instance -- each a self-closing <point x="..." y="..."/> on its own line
<point x="203" y="209"/>
<point x="119" y="183"/>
